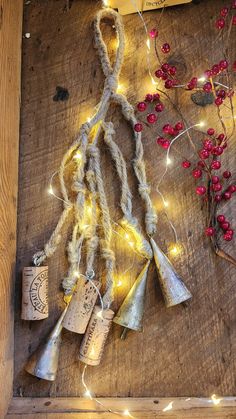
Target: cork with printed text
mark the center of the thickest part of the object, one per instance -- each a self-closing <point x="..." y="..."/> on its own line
<point x="34" y="293"/>
<point x="92" y="346"/>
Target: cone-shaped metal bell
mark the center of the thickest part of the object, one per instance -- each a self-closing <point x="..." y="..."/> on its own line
<point x="173" y="288"/>
<point x="44" y="362"/>
<point x="130" y="314"/>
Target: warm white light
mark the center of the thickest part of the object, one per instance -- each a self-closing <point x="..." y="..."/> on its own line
<point x="168" y="407"/>
<point x="89" y="119"/>
<point x="148" y="43"/>
<point x="127" y="236"/>
<point x="76" y="273"/>
<point x="126" y="413"/>
<point x="87" y="393"/>
<point x="89" y="210"/>
<point x="215" y="400"/>
<point x="99" y="314"/>
<point x="168" y="161"/>
<point x="50" y="190"/>
<point x="120" y="88"/>
<point x="78" y="155"/>
<point x="153" y="81"/>
<point x="131" y="244"/>
<point x="201" y="124"/>
<point x="119" y="283"/>
<point x="175" y="249"/>
<point x="106" y="3"/>
<point x="202" y="79"/>
<point x="166" y="203"/>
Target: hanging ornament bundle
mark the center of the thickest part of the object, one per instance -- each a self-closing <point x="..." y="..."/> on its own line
<point x="86" y="311"/>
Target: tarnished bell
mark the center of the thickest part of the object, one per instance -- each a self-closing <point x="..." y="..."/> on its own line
<point x="173" y="288"/>
<point x="130" y="314"/>
<point x="44" y="362"/>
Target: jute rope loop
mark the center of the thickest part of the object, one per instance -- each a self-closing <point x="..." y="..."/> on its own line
<point x="88" y="178"/>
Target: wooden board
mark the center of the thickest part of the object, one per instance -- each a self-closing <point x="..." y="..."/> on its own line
<point x="10" y="66"/>
<point x="221" y="414"/>
<point x="183" y="351"/>
<point x="138" y="408"/>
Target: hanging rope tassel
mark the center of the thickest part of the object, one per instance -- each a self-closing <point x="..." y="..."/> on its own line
<point x="129" y="222"/>
<point x="87" y="183"/>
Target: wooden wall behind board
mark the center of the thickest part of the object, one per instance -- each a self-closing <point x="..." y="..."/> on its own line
<point x="184" y="350"/>
<point x="10" y="69"/>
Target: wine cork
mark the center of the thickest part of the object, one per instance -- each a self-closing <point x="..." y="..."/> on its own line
<point x="94" y="340"/>
<point x="35" y="293"/>
<point x="81" y="305"/>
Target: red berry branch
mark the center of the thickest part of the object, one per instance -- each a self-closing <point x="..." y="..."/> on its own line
<point x="214" y="182"/>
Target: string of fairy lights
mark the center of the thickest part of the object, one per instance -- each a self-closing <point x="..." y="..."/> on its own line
<point x="174" y="249"/>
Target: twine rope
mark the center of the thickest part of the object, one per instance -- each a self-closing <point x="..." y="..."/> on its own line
<point x="88" y="171"/>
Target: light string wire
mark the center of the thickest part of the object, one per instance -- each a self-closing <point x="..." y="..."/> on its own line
<point x="214" y="400"/>
<point x="77" y="272"/>
<point x="88" y="394"/>
<point x="168" y="161"/>
<point x="147" y="42"/>
<point x="51" y="191"/>
<point x="126" y="412"/>
<point x="165" y="202"/>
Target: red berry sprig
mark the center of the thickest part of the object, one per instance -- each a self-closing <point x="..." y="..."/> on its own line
<point x="151" y="100"/>
<point x="213" y="184"/>
<point x="213" y="187"/>
<point x="171" y="131"/>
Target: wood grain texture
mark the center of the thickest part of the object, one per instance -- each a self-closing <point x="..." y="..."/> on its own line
<point x="10" y="69"/>
<point x="182" y="351"/>
<point x="139" y="408"/>
<point x="196" y="414"/>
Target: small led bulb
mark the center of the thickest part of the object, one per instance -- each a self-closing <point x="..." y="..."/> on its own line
<point x="87" y="393"/>
<point x="50" y="190"/>
<point x="201" y="124"/>
<point x="99" y="314"/>
<point x="202" y="79"/>
<point x="78" y="155"/>
<point x="166" y="203"/>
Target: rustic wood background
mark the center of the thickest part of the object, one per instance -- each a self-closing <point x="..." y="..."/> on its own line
<point x="184" y="350"/>
<point x="11" y="16"/>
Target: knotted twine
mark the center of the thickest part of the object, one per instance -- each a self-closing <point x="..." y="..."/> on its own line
<point x="88" y="171"/>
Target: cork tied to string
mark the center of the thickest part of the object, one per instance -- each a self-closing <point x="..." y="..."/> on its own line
<point x="88" y="178"/>
<point x="86" y="183"/>
<point x="88" y="171"/>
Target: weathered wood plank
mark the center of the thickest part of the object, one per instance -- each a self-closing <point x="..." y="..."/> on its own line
<point x="224" y="413"/>
<point x="25" y="405"/>
<point x="10" y="70"/>
<point x="139" y="408"/>
<point x="184" y="350"/>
